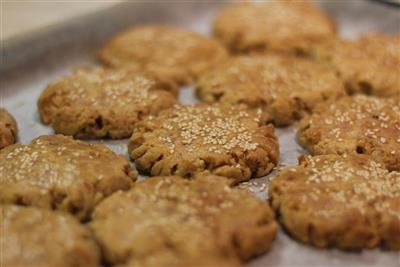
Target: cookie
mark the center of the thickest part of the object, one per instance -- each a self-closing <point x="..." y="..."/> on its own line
<point x="57" y="172"/>
<point x="37" y="237"/>
<point x="221" y="140"/>
<point x="285" y="26"/>
<point x="355" y="124"/>
<point x="283" y="89"/>
<point x="348" y="202"/>
<point x="169" y="52"/>
<point x="98" y="103"/>
<point x="368" y="65"/>
<point x="8" y="129"/>
<point x="171" y="221"/>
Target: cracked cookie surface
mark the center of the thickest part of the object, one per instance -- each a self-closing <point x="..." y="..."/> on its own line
<point x="349" y="202"/>
<point x="35" y="237"/>
<point x="8" y="129"/>
<point x="355" y="124"/>
<point x="276" y="26"/>
<point x="219" y="139"/>
<point x="98" y="103"/>
<point x="57" y="172"/>
<point x="169" y="52"/>
<point x="171" y="221"/>
<point x="283" y="89"/>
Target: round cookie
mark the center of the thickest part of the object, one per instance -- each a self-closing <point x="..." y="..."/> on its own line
<point x="169" y="52"/>
<point x="35" y="237"/>
<point x="99" y="103"/>
<point x="171" y="221"/>
<point x="355" y="124"/>
<point x="221" y="140"/>
<point x="285" y="26"/>
<point x="57" y="172"/>
<point x="8" y="129"/>
<point x="368" y="65"/>
<point x="349" y="202"/>
<point x="283" y="89"/>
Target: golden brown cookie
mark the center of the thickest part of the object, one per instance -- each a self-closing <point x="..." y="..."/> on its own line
<point x="171" y="221"/>
<point x="347" y="202"/>
<point x="35" y="237"/>
<point x="283" y="89"/>
<point x="57" y="172"/>
<point x="355" y="124"/>
<point x="169" y="52"/>
<point x="222" y="140"/>
<point x="99" y="103"/>
<point x="368" y="65"/>
<point x="8" y="129"/>
<point x="285" y="26"/>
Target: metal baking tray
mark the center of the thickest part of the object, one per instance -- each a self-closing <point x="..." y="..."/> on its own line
<point x="30" y="62"/>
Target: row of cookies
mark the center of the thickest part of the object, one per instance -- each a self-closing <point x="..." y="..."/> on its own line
<point x="360" y="124"/>
<point x="56" y="172"/>
<point x="338" y="197"/>
<point x="325" y="201"/>
<point x="346" y="201"/>
<point x="348" y="194"/>
<point x="284" y="88"/>
<point x="162" y="221"/>
<point x="367" y="64"/>
<point x="166" y="138"/>
<point x="340" y="129"/>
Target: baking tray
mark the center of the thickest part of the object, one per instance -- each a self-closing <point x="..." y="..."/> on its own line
<point x="30" y="62"/>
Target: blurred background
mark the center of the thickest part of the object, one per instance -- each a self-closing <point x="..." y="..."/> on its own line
<point x="19" y="17"/>
<point x="22" y="16"/>
<point x="75" y="27"/>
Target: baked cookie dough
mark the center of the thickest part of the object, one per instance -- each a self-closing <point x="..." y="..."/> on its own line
<point x="171" y="221"/>
<point x="35" y="237"/>
<point x="368" y="65"/>
<point x="348" y="202"/>
<point x="221" y="140"/>
<point x="286" y="26"/>
<point x="97" y="103"/>
<point x="57" y="172"/>
<point x="355" y="124"/>
<point x="8" y="129"/>
<point x="169" y="52"/>
<point x="283" y="89"/>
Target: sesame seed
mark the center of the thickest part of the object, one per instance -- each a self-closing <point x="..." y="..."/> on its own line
<point x="211" y="127"/>
<point x="44" y="165"/>
<point x="352" y="181"/>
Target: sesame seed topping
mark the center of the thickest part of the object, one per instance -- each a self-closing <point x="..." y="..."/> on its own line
<point x="356" y="120"/>
<point x="356" y="181"/>
<point x="97" y="87"/>
<point x="44" y="164"/>
<point x="211" y="127"/>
